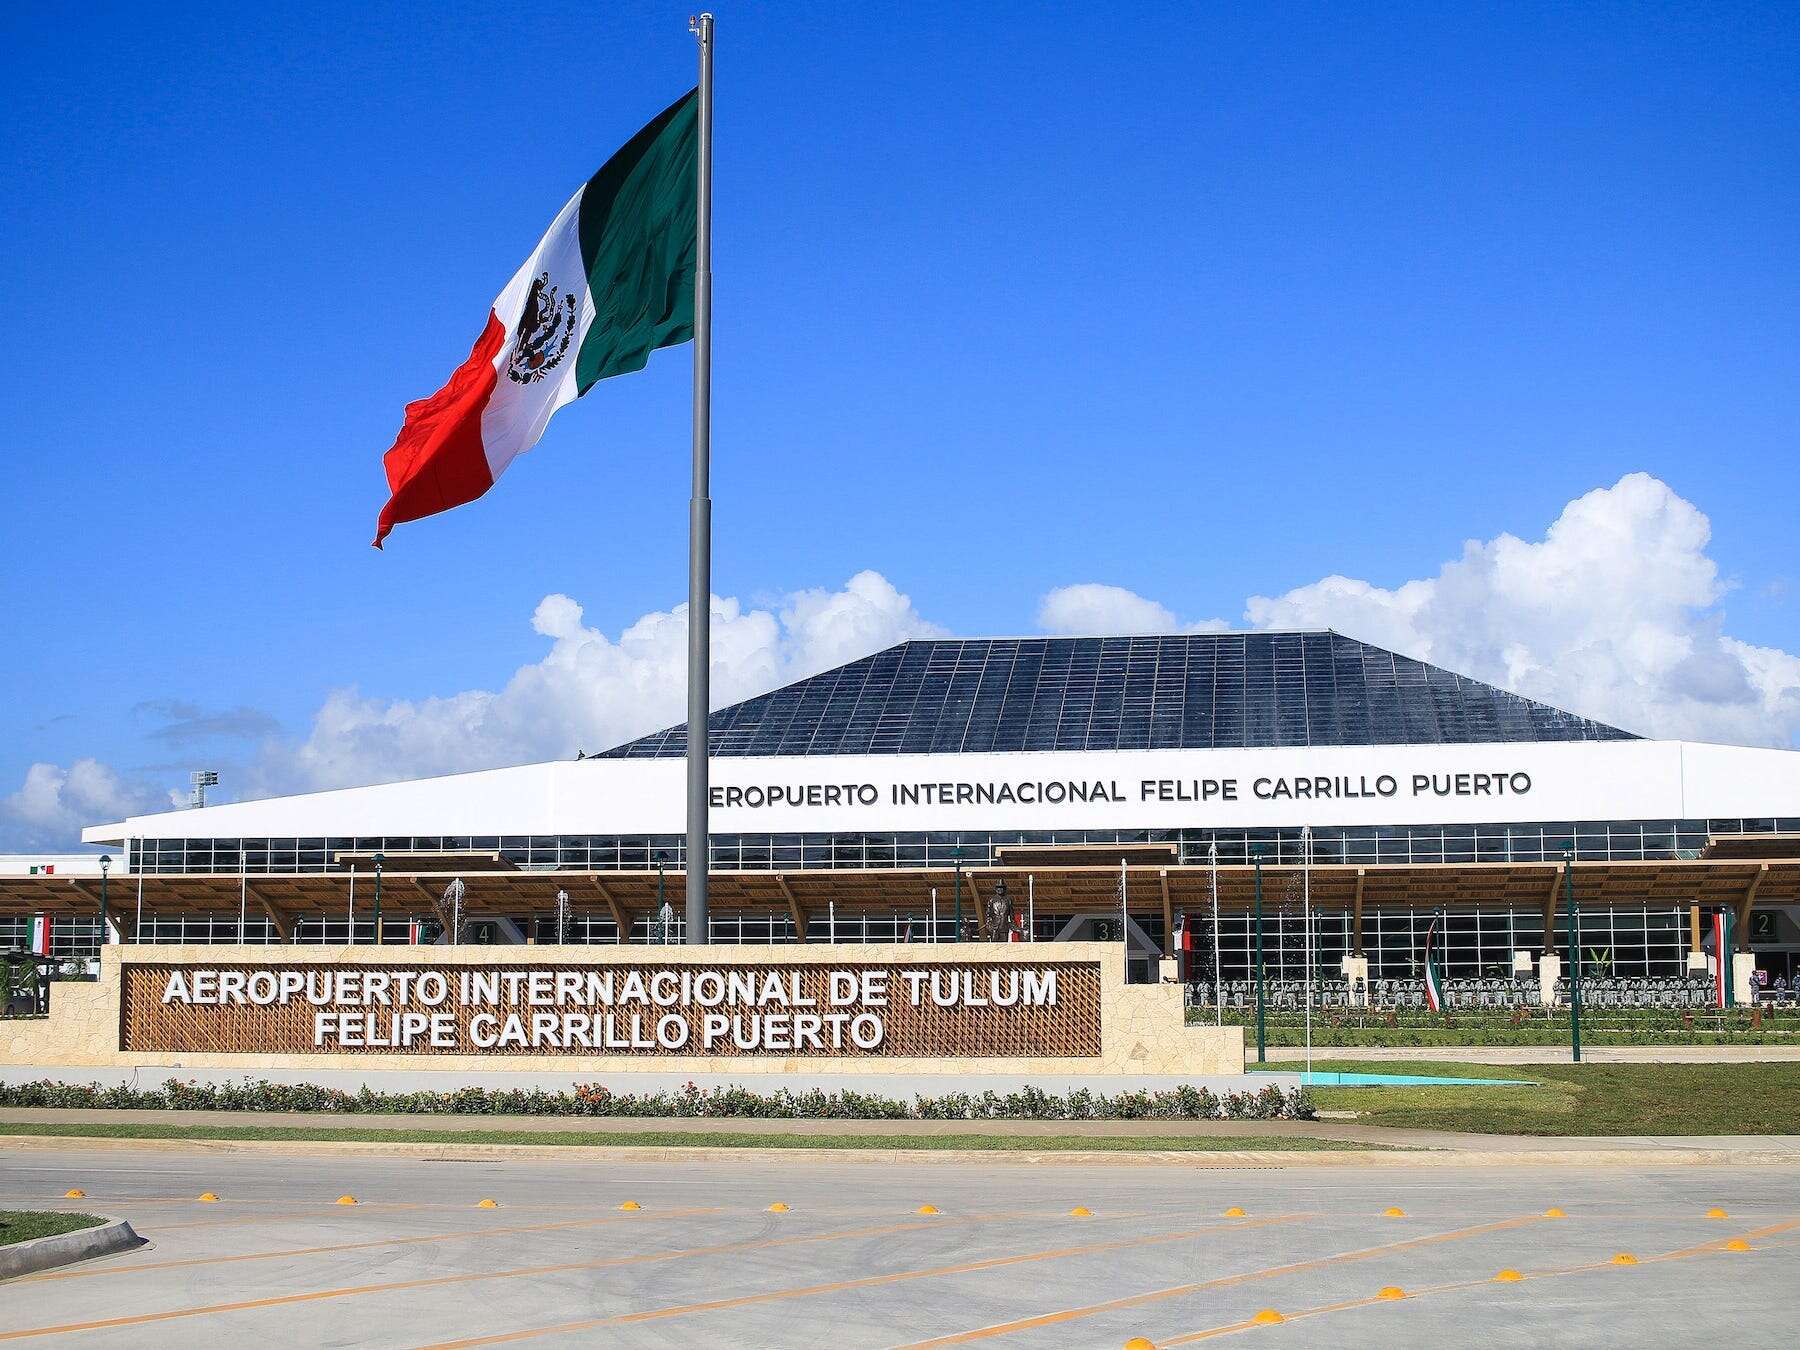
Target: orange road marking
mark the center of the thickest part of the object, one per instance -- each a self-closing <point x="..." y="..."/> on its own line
<point x="326" y="1205"/>
<point x="478" y="1277"/>
<point x="841" y="1286"/>
<point x="1223" y="1282"/>
<point x="1718" y="1244"/>
<point x="153" y="1227"/>
<point x="1685" y="1253"/>
<point x="360" y="1246"/>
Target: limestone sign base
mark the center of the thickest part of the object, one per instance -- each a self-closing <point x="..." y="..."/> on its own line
<point x="139" y="1015"/>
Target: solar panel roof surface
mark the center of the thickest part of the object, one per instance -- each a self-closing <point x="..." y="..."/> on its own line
<point x="1199" y="691"/>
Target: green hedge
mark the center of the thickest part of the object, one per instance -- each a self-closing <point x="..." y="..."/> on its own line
<point x="690" y="1101"/>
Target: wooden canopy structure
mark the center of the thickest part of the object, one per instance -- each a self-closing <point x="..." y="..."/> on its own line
<point x="1058" y="886"/>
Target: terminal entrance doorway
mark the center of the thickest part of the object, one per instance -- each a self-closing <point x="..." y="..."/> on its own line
<point x="1141" y="952"/>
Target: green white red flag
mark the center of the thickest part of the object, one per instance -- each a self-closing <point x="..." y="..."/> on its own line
<point x="1434" y="978"/>
<point x="1723" y="993"/>
<point x="612" y="281"/>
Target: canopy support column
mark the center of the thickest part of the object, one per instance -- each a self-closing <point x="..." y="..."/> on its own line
<point x="621" y="920"/>
<point x="796" y="910"/>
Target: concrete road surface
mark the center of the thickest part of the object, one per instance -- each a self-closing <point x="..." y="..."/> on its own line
<point x="415" y="1262"/>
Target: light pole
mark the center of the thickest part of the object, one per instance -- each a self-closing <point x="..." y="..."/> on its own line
<point x="1574" y="953"/>
<point x="956" y="862"/>
<point x="105" y="863"/>
<point x="380" y="858"/>
<point x="1256" y="856"/>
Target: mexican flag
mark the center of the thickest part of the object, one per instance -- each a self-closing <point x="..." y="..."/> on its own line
<point x="1434" y="978"/>
<point x="40" y="934"/>
<point x="612" y="281"/>
<point x="1723" y="921"/>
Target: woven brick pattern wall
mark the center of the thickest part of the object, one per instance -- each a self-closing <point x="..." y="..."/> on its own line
<point x="1070" y="1028"/>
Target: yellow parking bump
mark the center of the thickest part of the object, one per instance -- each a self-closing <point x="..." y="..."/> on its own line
<point x="1624" y="1259"/>
<point x="1140" y="1343"/>
<point x="1717" y="1214"/>
<point x="1508" y="1276"/>
<point x="487" y="1204"/>
<point x="1234" y="1213"/>
<point x="208" y="1197"/>
<point x="1392" y="1291"/>
<point x="1081" y="1212"/>
<point x="1554" y="1213"/>
<point x="1393" y="1212"/>
<point x="926" y="1209"/>
<point x="778" y="1208"/>
<point x="1267" y="1317"/>
<point x="1737" y="1245"/>
<point x="630" y="1205"/>
<point x="346" y="1199"/>
<point x="74" y="1194"/>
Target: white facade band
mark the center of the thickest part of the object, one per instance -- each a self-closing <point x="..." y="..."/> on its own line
<point x="1514" y="783"/>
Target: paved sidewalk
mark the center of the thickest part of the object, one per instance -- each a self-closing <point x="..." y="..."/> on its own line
<point x="1249" y="1131"/>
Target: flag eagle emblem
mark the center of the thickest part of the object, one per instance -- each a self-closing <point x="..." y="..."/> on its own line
<point x="545" y="328"/>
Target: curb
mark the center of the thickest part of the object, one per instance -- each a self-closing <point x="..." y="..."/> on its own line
<point x="61" y="1249"/>
<point x="1194" y="1158"/>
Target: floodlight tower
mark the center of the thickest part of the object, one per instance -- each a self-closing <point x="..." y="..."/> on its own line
<point x="201" y="779"/>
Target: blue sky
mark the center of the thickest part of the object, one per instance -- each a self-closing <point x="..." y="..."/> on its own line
<point x="1203" y="304"/>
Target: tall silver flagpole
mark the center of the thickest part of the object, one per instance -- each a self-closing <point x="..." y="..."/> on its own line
<point x="700" y="508"/>
<point x="1306" y="856"/>
<point x="1212" y="854"/>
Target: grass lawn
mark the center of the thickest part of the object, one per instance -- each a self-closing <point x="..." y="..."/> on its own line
<point x="21" y="1225"/>
<point x="990" y="1143"/>
<point x="1593" y="1099"/>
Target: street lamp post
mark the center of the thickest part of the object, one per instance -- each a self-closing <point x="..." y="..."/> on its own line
<point x="956" y="862"/>
<point x="380" y="858"/>
<point x="105" y="864"/>
<point x="1256" y="855"/>
<point x="1574" y="953"/>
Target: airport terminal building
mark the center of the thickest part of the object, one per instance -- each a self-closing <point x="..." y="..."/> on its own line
<point x="1026" y="783"/>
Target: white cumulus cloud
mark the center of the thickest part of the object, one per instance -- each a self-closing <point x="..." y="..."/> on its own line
<point x="588" y="691"/>
<point x="591" y="691"/>
<point x="1091" y="608"/>
<point x="53" y="803"/>
<point x="1613" y="613"/>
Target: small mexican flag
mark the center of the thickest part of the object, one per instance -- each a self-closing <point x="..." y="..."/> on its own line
<point x="1434" y="979"/>
<point x="1722" y="926"/>
<point x="43" y="869"/>
<point x="611" y="282"/>
<point x="41" y="934"/>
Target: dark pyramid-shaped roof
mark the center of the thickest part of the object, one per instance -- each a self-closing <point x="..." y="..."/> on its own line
<point x="1198" y="691"/>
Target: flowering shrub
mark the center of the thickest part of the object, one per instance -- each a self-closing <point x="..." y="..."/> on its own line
<point x="689" y="1101"/>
